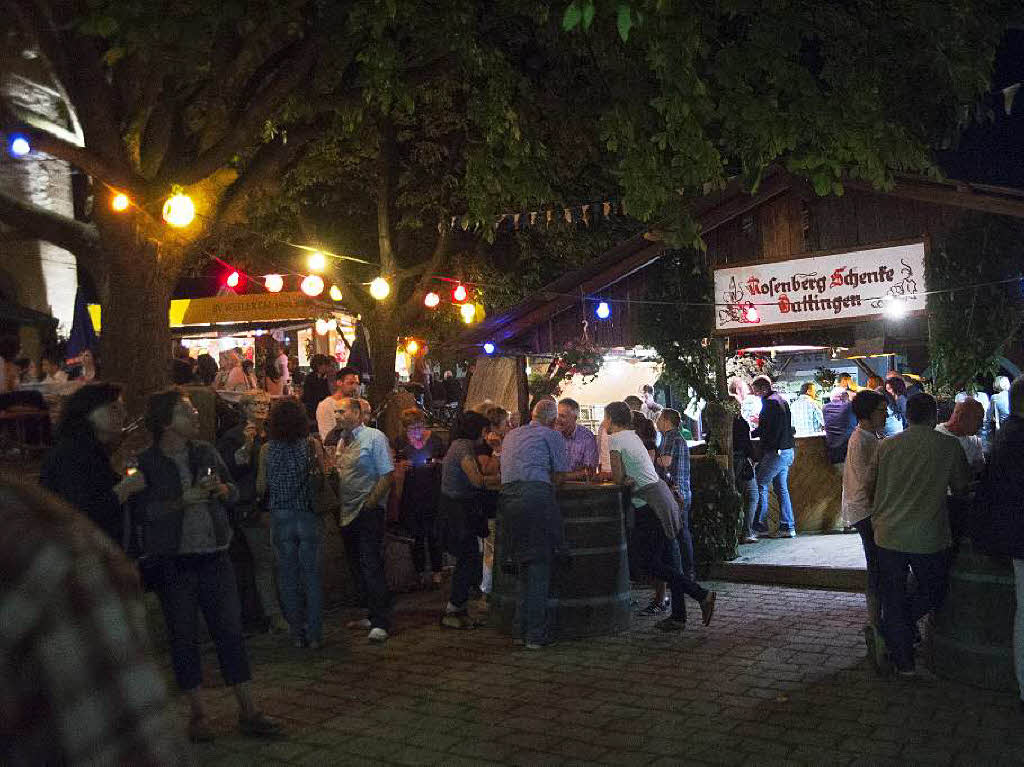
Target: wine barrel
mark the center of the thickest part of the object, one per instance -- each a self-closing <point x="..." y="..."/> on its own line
<point x="972" y="635"/>
<point x="590" y="597"/>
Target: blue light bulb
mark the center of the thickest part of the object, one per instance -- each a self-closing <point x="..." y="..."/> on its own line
<point x="488" y="348"/>
<point x="19" y="146"/>
<point x="603" y="311"/>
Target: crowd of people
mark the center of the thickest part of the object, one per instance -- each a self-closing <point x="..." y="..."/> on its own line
<point x="273" y="470"/>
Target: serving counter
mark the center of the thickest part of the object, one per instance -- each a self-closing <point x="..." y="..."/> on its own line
<point x="815" y="487"/>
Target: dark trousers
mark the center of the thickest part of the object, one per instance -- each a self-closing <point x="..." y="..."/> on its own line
<point x="534" y="585"/>
<point x="206" y="582"/>
<point x="902" y="610"/>
<point x="469" y="567"/>
<point x="867" y="538"/>
<point x="425" y="544"/>
<point x="685" y="540"/>
<point x="658" y="552"/>
<point x="364" y="542"/>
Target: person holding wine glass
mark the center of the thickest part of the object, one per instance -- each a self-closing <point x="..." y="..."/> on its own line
<point x="186" y="532"/>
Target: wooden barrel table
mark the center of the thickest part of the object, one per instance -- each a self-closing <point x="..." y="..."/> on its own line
<point x="972" y="635"/>
<point x="591" y="596"/>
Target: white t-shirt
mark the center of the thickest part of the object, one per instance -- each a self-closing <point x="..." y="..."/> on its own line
<point x="636" y="461"/>
<point x="282" y="368"/>
<point x="326" y="418"/>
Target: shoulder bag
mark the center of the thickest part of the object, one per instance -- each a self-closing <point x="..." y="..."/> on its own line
<point x="322" y="491"/>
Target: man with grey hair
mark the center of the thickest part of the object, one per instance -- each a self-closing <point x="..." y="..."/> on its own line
<point x="533" y="461"/>
<point x="580" y="442"/>
<point x="999" y="523"/>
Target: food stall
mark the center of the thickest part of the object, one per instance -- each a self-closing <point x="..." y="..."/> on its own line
<point x="809" y="319"/>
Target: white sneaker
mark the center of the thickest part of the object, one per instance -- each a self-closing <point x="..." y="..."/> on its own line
<point x="362" y="623"/>
<point x="378" y="636"/>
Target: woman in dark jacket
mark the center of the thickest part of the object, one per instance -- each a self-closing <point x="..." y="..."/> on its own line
<point x="78" y="469"/>
<point x="185" y="529"/>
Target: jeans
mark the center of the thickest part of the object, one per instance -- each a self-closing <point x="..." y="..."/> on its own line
<point x="534" y="586"/>
<point x="264" y="562"/>
<point x="867" y="538"/>
<point x="902" y="610"/>
<point x="773" y="471"/>
<point x="685" y="540"/>
<point x="193" y="582"/>
<point x="469" y="562"/>
<point x="366" y="539"/>
<point x="748" y="489"/>
<point x="1018" y="625"/>
<point x="297" y="538"/>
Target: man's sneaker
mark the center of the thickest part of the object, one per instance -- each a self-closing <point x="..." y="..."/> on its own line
<point x="671" y="624"/>
<point x="785" y="532"/>
<point x="749" y="539"/>
<point x="377" y="635"/>
<point x="759" y="528"/>
<point x="459" y="620"/>
<point x="362" y="623"/>
<point x="655" y="608"/>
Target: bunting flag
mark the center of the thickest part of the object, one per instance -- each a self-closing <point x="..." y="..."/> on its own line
<point x="586" y="213"/>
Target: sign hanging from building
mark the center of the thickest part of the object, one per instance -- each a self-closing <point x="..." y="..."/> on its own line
<point x="857" y="284"/>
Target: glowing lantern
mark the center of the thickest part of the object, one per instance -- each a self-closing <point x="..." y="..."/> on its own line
<point x="603" y="311"/>
<point x="412" y="346"/>
<point x="460" y="294"/>
<point x="19" y="146"/>
<point x="335" y="293"/>
<point x="312" y="286"/>
<point x="119" y="202"/>
<point x="321" y="327"/>
<point x="468" y="312"/>
<point x="431" y="300"/>
<point x="232" y="280"/>
<point x="274" y="282"/>
<point x="317" y="261"/>
<point x="379" y="288"/>
<point x="179" y="210"/>
<point x="488" y="348"/>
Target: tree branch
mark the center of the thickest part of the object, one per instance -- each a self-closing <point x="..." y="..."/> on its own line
<point x="430" y="268"/>
<point x="81" y="239"/>
<point x="251" y="120"/>
<point x="384" y="167"/>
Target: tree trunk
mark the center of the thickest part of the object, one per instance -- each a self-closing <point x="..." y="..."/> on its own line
<point x="383" y="337"/>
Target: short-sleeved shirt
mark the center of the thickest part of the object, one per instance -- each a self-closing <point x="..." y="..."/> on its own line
<point x="360" y="464"/>
<point x="807" y="416"/>
<point x="532" y="453"/>
<point x="581" y="447"/>
<point x="859" y="475"/>
<point x="454" y="482"/>
<point x="636" y="461"/>
<point x="915" y="468"/>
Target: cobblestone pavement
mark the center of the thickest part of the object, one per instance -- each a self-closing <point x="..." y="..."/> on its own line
<point x="779" y="678"/>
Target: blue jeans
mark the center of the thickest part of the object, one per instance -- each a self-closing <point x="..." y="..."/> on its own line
<point x="901" y="611"/>
<point x="751" y="499"/>
<point x="773" y="471"/>
<point x="190" y="583"/>
<point x="365" y="536"/>
<point x="688" y="563"/>
<point x="297" y="538"/>
<point x="534" y="586"/>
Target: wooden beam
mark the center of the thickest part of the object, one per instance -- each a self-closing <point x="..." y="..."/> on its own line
<point x="960" y="196"/>
<point x="742" y="203"/>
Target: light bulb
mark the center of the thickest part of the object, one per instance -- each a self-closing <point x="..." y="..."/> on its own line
<point x="460" y="294"/>
<point x="468" y="312"/>
<point x="274" y="282"/>
<point x="751" y="314"/>
<point x="312" y="285"/>
<point x="179" y="210"/>
<point x="603" y="311"/>
<point x="317" y="261"/>
<point x="119" y="202"/>
<point x="411" y="346"/>
<point x="379" y="288"/>
<point x="488" y="348"/>
<point x="321" y="327"/>
<point x="431" y="300"/>
<point x="19" y="146"/>
<point x="232" y="280"/>
<point x="895" y="308"/>
<point x="335" y="293"/>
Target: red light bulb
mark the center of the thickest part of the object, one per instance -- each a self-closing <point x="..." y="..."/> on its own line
<point x="232" y="280"/>
<point x="460" y="294"/>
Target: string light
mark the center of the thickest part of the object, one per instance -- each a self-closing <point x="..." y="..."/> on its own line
<point x="603" y="311"/>
<point x="317" y="261"/>
<point x="751" y="315"/>
<point x="412" y="346"/>
<point x="119" y="202"/>
<point x="488" y="348"/>
<point x="460" y="293"/>
<point x="321" y="327"/>
<point x="179" y="210"/>
<point x="335" y="293"/>
<point x="379" y="288"/>
<point x="431" y="300"/>
<point x="19" y="146"/>
<point x="468" y="312"/>
<point x="232" y="280"/>
<point x="895" y="308"/>
<point x="312" y="286"/>
<point x="274" y="283"/>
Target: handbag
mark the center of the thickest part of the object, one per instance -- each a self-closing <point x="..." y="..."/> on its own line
<point x="322" y="490"/>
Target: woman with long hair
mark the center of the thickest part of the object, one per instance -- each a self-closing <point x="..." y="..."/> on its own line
<point x="272" y="376"/>
<point x="186" y="534"/>
<point x="286" y="462"/>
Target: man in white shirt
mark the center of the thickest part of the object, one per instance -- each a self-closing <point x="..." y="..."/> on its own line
<point x="346" y="385"/>
<point x="52" y="372"/>
<point x="859" y="475"/>
<point x="806" y="412"/>
<point x="658" y="519"/>
<point x="282" y="366"/>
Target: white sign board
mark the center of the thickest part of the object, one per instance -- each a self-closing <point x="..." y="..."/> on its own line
<point x="861" y="283"/>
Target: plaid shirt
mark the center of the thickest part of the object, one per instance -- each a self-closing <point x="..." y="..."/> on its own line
<point x="677" y="475"/>
<point x="77" y="683"/>
<point x="807" y="416"/>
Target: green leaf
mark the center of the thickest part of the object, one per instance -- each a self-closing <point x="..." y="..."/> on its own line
<point x="572" y="16"/>
<point x="588" y="16"/>
<point x="625" y="21"/>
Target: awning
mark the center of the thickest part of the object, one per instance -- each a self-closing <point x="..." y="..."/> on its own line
<point x="234" y="309"/>
<point x="22" y="315"/>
